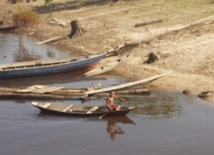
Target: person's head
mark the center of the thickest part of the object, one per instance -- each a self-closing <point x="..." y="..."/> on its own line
<point x="112" y="93"/>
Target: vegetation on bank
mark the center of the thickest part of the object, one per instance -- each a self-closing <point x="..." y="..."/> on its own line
<point x="25" y="17"/>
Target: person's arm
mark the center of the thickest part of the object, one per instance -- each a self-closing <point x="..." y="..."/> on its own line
<point x="122" y="99"/>
<point x="119" y="98"/>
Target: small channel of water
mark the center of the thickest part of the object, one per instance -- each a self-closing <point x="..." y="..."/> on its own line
<point x="10" y="48"/>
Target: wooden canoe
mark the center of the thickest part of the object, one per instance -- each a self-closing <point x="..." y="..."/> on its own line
<point x="107" y="67"/>
<point x="47" y="67"/>
<point x="7" y="28"/>
<point x="79" y="110"/>
<point x="126" y="85"/>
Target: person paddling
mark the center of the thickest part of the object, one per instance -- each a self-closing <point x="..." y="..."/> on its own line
<point x="110" y="101"/>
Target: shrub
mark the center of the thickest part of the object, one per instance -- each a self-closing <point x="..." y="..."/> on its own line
<point x="25" y="18"/>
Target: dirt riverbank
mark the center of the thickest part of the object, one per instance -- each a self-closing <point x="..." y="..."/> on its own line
<point x="183" y="40"/>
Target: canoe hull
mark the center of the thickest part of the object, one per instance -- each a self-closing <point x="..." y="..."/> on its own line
<point x="108" y="67"/>
<point x="103" y="111"/>
<point x="35" y="69"/>
<point x="112" y="113"/>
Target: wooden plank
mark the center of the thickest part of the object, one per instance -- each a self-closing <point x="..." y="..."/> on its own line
<point x="67" y="108"/>
<point x="46" y="105"/>
<point x="130" y="84"/>
<point x="92" y="110"/>
<point x="39" y="89"/>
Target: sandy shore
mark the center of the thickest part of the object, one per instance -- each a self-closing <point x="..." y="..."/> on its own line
<point x="183" y="41"/>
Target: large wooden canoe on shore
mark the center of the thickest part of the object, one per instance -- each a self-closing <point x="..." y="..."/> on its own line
<point x="47" y="67"/>
<point x="79" y="110"/>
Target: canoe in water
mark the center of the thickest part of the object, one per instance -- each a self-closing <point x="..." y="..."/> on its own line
<point x="79" y="110"/>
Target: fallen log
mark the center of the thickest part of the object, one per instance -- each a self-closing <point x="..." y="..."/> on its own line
<point x="125" y="93"/>
<point x="141" y="91"/>
<point x="58" y="22"/>
<point x="148" y="23"/>
<point x="36" y="96"/>
<point x="62" y="94"/>
<point x="51" y="40"/>
<point x="66" y="94"/>
<point x="28" y="90"/>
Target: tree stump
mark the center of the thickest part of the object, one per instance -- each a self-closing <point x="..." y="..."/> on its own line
<point x="151" y="58"/>
<point x="76" y="29"/>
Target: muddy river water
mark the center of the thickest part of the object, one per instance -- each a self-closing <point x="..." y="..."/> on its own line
<point x="163" y="123"/>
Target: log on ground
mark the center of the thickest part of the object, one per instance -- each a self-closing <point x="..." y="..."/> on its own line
<point x="141" y="91"/>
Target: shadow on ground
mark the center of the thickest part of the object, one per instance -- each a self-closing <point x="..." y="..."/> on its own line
<point x="69" y="5"/>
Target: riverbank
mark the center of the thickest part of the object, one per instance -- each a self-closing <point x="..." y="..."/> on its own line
<point x="183" y="40"/>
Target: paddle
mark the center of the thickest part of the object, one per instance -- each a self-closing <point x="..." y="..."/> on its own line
<point x="103" y="115"/>
<point x="108" y="111"/>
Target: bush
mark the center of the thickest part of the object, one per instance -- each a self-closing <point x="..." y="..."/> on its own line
<point x="25" y="18"/>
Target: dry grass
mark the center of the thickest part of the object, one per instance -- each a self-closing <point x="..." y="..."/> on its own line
<point x="25" y="18"/>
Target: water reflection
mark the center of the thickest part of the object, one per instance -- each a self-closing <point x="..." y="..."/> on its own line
<point x="10" y="48"/>
<point x="167" y="136"/>
<point x="67" y="80"/>
<point x="114" y="125"/>
<point x="113" y="129"/>
<point x="159" y="105"/>
<point x="46" y="80"/>
<point x="166" y="110"/>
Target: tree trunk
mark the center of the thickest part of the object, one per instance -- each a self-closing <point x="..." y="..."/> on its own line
<point x="76" y="29"/>
<point x="152" y="57"/>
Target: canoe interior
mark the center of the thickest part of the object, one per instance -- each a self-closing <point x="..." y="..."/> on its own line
<point x="40" y="63"/>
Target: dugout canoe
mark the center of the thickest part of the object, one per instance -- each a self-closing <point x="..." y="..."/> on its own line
<point x="79" y="110"/>
<point x="47" y="67"/>
<point x="107" y="67"/>
<point x="7" y="28"/>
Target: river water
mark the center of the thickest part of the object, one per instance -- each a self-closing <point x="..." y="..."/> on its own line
<point x="163" y="123"/>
